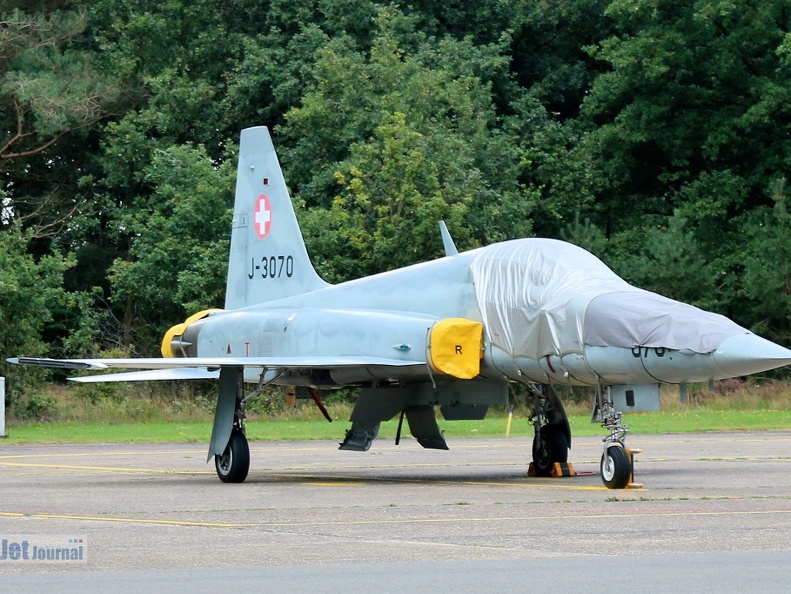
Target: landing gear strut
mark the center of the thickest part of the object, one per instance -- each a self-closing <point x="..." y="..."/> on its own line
<point x="228" y="441"/>
<point x="616" y="462"/>
<point x="234" y="463"/>
<point x="552" y="433"/>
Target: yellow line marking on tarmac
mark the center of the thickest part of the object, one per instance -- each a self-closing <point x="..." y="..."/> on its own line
<point x="452" y="463"/>
<point x="318" y="479"/>
<point x="286" y="469"/>
<point x="99" y="453"/>
<point x="323" y="481"/>
<point x="520" y="518"/>
<point x="458" y="520"/>
<point x="529" y="482"/>
<point x="340" y="483"/>
<point x="296" y="446"/>
<point x="202" y="452"/>
<point x="130" y="520"/>
<point x="99" y="468"/>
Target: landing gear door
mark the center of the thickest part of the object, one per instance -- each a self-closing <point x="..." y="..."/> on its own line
<point x="455" y="347"/>
<point x="636" y="398"/>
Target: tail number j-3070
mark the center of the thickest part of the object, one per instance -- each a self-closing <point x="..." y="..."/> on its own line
<point x="271" y="267"/>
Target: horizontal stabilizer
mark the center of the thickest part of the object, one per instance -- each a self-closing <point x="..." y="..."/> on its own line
<point x="180" y="373"/>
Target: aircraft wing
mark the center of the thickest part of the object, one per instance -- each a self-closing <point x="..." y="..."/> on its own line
<point x="182" y="368"/>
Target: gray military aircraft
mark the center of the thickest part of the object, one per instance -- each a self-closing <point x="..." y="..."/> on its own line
<point x="451" y="333"/>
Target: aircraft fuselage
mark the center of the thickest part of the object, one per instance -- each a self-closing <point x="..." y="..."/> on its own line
<point x="375" y="316"/>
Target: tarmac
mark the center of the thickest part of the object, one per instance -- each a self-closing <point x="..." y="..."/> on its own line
<point x="714" y="513"/>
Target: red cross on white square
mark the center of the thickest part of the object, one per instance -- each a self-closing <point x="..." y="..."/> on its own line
<point x="262" y="216"/>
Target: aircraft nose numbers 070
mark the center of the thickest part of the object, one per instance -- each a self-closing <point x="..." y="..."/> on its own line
<point x="271" y="267"/>
<point x="262" y="216"/>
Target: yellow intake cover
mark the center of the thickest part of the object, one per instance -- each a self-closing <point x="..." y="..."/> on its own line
<point x="178" y="330"/>
<point x="456" y="347"/>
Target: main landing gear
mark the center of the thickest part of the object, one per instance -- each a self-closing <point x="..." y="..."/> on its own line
<point x="234" y="463"/>
<point x="617" y="462"/>
<point x="552" y="432"/>
<point x="228" y="442"/>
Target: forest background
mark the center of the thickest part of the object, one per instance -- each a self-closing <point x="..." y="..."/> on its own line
<point x="654" y="133"/>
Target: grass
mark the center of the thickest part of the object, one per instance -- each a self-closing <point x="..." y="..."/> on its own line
<point x="129" y="413"/>
<point x="279" y="429"/>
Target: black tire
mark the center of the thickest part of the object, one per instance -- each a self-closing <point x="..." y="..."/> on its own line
<point x="549" y="446"/>
<point x="616" y="468"/>
<point x="234" y="463"/>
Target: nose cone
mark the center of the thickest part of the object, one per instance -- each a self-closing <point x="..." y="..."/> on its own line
<point x="744" y="354"/>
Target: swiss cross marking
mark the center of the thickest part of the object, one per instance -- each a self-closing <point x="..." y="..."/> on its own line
<point x="262" y="216"/>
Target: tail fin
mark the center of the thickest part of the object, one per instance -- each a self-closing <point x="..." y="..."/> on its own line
<point x="268" y="258"/>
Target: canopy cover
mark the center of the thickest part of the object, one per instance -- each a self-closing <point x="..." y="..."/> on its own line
<point x="547" y="297"/>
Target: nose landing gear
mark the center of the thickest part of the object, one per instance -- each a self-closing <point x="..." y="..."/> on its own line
<point x="617" y="461"/>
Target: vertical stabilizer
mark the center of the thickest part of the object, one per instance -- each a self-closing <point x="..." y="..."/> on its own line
<point x="268" y="258"/>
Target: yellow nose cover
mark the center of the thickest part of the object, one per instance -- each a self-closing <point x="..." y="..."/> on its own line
<point x="456" y="347"/>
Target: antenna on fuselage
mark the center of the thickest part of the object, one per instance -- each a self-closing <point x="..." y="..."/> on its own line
<point x="447" y="240"/>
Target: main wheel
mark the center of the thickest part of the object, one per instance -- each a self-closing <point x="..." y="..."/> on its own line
<point x="234" y="463"/>
<point x="616" y="468"/>
<point x="549" y="446"/>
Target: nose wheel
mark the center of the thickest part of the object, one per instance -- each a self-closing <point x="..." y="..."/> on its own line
<point x="616" y="467"/>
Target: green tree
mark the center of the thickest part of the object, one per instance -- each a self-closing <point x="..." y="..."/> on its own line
<point x="667" y="259"/>
<point x="48" y="86"/>
<point x="693" y="114"/>
<point x="388" y="216"/>
<point x="53" y="98"/>
<point x="176" y="57"/>
<point x="767" y="267"/>
<point x="687" y="124"/>
<point x="548" y="49"/>
<point x="411" y="135"/>
<point x="52" y="95"/>
<point x="178" y="259"/>
<point x="38" y="317"/>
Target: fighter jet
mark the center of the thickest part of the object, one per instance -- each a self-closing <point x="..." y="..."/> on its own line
<point x="451" y="333"/>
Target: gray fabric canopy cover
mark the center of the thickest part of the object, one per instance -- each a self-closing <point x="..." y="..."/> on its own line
<point x="546" y="297"/>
